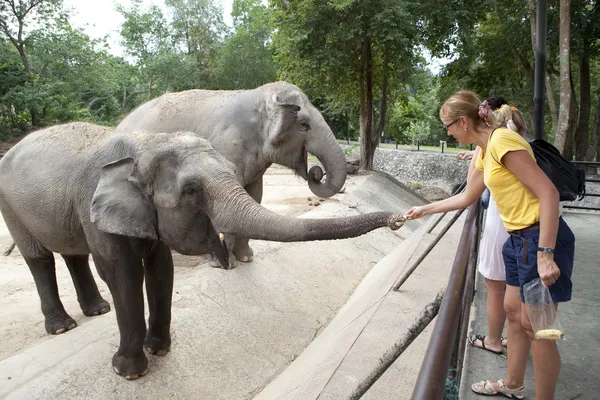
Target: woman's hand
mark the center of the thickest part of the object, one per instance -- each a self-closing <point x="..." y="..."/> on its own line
<point x="414" y="213"/>
<point x="465" y="155"/>
<point x="547" y="269"/>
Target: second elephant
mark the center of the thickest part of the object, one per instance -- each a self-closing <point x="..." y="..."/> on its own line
<point x="272" y="124"/>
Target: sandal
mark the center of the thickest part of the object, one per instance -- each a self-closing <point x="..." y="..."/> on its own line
<point x="481" y="338"/>
<point x="485" y="388"/>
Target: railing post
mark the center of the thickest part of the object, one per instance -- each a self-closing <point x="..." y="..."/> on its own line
<point x="431" y="381"/>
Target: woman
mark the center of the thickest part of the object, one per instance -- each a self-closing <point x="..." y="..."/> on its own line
<point x="491" y="261"/>
<point x="540" y="243"/>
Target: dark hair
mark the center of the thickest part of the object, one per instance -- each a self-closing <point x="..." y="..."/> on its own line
<point x="495" y="102"/>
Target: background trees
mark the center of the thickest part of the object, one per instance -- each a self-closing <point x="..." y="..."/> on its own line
<point x="365" y="64"/>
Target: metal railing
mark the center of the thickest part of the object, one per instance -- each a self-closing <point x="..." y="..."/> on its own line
<point x="447" y="346"/>
<point x="586" y="164"/>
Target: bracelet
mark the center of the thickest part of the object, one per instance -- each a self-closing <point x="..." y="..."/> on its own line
<point x="546" y="250"/>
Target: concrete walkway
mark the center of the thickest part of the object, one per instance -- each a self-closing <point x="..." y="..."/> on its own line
<point x="580" y="319"/>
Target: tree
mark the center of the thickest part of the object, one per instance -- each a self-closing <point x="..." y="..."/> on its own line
<point x="144" y="35"/>
<point x="352" y="52"/>
<point x="15" y="17"/>
<point x="198" y="29"/>
<point x="247" y="46"/>
<point x="566" y="118"/>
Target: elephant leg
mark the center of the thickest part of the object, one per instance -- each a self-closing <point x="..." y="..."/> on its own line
<point x="241" y="249"/>
<point x="41" y="264"/>
<point x="90" y="300"/>
<point x="123" y="272"/>
<point x="158" y="266"/>
<point x="43" y="270"/>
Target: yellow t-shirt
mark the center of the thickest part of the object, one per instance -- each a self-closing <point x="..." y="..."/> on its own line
<point x="517" y="205"/>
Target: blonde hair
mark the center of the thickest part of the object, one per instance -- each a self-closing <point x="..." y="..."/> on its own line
<point x="467" y="103"/>
<point x="510" y="117"/>
<point x="463" y="103"/>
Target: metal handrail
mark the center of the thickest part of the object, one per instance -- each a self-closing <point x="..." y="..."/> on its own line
<point x="432" y="377"/>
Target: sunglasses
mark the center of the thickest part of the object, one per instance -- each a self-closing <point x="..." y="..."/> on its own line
<point x="451" y="123"/>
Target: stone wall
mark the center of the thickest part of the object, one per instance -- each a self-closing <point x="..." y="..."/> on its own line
<point x="420" y="168"/>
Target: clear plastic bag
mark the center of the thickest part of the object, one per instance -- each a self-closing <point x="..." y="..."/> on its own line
<point x="542" y="311"/>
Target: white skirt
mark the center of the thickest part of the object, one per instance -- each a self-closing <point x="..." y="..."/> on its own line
<point x="491" y="261"/>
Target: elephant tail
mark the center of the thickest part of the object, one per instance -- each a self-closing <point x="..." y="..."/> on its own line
<point x="9" y="249"/>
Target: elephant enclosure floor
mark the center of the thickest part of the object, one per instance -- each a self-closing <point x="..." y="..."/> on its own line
<point x="233" y="331"/>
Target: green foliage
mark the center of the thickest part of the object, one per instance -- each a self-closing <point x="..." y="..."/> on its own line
<point x="247" y="47"/>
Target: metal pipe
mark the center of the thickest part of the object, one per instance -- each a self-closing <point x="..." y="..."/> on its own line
<point x="441" y="217"/>
<point x="540" y="68"/>
<point x="391" y="355"/>
<point x="422" y="256"/>
<point x="434" y="368"/>
<point x="468" y="300"/>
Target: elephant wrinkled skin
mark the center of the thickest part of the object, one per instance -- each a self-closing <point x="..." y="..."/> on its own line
<point x="274" y="123"/>
<point x="80" y="189"/>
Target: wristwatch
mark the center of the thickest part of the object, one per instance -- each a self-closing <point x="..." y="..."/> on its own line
<point x="546" y="250"/>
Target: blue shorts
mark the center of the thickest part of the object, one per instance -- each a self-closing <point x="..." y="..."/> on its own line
<point x="520" y="259"/>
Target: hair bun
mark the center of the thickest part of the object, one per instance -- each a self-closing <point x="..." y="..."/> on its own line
<point x="484" y="110"/>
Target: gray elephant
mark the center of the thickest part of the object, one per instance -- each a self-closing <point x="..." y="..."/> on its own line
<point x="275" y="123"/>
<point x="80" y="189"/>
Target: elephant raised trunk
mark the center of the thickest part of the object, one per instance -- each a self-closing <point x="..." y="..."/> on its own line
<point x="331" y="155"/>
<point x="239" y="214"/>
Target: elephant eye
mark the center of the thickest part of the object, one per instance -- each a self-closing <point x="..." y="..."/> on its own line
<point x="190" y="190"/>
<point x="304" y="125"/>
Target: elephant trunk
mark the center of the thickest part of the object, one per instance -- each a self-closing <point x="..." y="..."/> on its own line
<point x="331" y="155"/>
<point x="240" y="215"/>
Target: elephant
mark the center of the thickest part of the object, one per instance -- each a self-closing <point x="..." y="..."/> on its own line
<point x="274" y="123"/>
<point x="128" y="199"/>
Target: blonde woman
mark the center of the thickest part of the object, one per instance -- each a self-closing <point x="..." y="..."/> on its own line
<point x="540" y="245"/>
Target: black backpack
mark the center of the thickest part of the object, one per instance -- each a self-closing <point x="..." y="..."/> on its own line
<point x="568" y="179"/>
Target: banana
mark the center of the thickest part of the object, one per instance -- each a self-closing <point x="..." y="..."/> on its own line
<point x="553" y="334"/>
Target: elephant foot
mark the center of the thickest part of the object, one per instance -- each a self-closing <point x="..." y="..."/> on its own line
<point x="98" y="306"/>
<point x="60" y="324"/>
<point x="214" y="262"/>
<point x="157" y="346"/>
<point x="130" y="367"/>
<point x="243" y="252"/>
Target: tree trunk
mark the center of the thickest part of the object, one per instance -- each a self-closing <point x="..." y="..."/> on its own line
<point x="124" y="102"/>
<point x="583" y="127"/>
<point x="552" y="103"/>
<point x="573" y="112"/>
<point x="367" y="125"/>
<point x="596" y="129"/>
<point x="35" y="119"/>
<point x="564" y="117"/>
<point x="549" y="89"/>
<point x="384" y="99"/>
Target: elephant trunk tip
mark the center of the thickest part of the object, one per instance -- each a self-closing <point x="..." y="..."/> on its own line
<point x="396" y="222"/>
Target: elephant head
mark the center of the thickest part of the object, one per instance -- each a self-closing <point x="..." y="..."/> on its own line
<point x="177" y="188"/>
<point x="296" y="127"/>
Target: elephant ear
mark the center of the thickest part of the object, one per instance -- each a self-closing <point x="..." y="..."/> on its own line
<point x="281" y="116"/>
<point x="119" y="206"/>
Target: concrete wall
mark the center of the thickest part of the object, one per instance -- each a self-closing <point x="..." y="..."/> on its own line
<point x="426" y="168"/>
